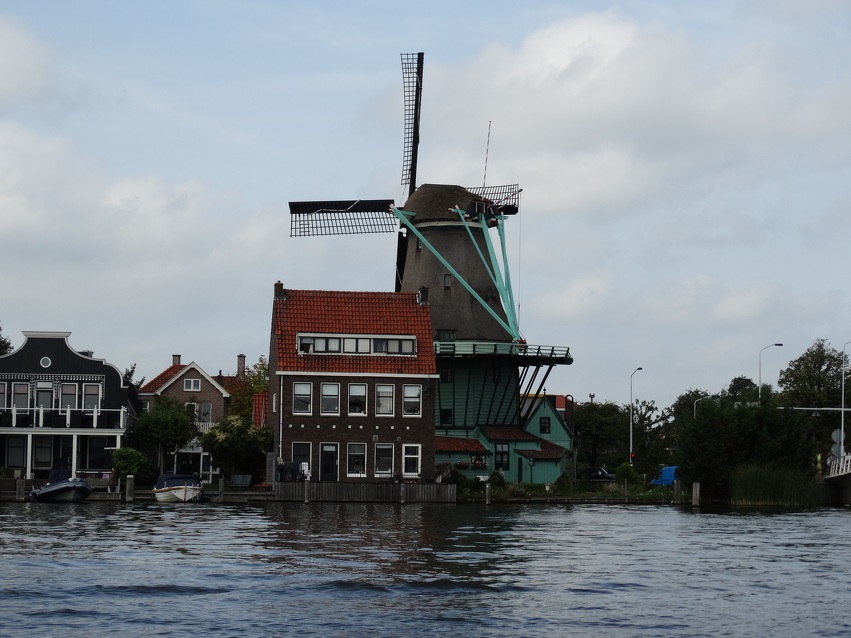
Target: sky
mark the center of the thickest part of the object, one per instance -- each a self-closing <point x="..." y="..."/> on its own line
<point x="686" y="172"/>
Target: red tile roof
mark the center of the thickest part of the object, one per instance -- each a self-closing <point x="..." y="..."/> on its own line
<point x="355" y="313"/>
<point x="503" y="433"/>
<point x="161" y="379"/>
<point x="261" y="408"/>
<point x="457" y="444"/>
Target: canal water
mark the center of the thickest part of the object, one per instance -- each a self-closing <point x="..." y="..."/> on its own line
<point x="109" y="569"/>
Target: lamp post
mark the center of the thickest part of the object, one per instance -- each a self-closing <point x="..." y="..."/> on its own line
<point x="759" y="391"/>
<point x="713" y="396"/>
<point x="630" y="412"/>
<point x="842" y="418"/>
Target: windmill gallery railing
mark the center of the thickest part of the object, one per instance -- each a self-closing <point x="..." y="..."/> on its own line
<point x="63" y="418"/>
<point x="512" y="349"/>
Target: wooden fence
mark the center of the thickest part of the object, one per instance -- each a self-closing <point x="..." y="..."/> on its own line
<point x="307" y="491"/>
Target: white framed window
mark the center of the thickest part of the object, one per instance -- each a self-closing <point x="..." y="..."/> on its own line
<point x="411" y="458"/>
<point x="411" y="400"/>
<point x="91" y="396"/>
<point x="329" y="400"/>
<point x="2" y="394"/>
<point x="16" y="447"/>
<point x="384" y="399"/>
<point x="301" y="457"/>
<point x="357" y="399"/>
<point x="384" y="460"/>
<point x="192" y="385"/>
<point x="21" y="395"/>
<point x="44" y="394"/>
<point x="68" y="398"/>
<point x="205" y="413"/>
<point x="356" y="461"/>
<point x="302" y="397"/>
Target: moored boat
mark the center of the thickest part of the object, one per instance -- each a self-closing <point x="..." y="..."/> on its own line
<point x="177" y="488"/>
<point x="62" y="489"/>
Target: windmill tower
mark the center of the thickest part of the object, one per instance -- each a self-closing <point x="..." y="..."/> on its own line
<point x="447" y="252"/>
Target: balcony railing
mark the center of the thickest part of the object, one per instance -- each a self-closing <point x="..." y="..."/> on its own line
<point x="514" y="349"/>
<point x="64" y="418"/>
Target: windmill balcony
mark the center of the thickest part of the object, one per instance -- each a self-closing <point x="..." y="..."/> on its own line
<point x="79" y="418"/>
<point x="501" y="348"/>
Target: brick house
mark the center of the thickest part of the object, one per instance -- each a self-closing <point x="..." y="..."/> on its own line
<point x="351" y="377"/>
<point x="207" y="396"/>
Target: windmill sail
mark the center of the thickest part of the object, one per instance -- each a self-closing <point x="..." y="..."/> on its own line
<point x="412" y="82"/>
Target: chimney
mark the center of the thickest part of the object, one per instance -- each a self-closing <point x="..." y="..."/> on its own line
<point x="240" y="365"/>
<point x="175" y="359"/>
<point x="280" y="293"/>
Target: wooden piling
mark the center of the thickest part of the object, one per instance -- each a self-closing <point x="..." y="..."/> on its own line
<point x="695" y="494"/>
<point x="130" y="492"/>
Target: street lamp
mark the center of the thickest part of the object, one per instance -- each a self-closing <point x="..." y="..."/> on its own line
<point x="630" y="412"/>
<point x="759" y="391"/>
<point x="714" y="396"/>
<point x="842" y="419"/>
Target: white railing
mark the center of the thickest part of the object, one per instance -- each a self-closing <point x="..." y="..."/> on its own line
<point x="64" y="417"/>
<point x="838" y="467"/>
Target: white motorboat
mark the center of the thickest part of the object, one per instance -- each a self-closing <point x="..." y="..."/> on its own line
<point x="177" y="488"/>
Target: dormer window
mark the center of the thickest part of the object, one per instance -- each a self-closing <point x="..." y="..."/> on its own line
<point x="357" y="345"/>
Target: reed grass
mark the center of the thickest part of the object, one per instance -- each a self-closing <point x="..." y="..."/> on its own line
<point x="760" y="486"/>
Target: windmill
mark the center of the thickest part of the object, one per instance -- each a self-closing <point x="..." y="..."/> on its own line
<point x="445" y="252"/>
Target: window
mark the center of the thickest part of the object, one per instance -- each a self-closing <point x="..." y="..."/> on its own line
<point x="44" y="394"/>
<point x="501" y="456"/>
<point x="447" y="281"/>
<point x="545" y="425"/>
<point x="329" y="402"/>
<point x="411" y="460"/>
<point x="384" y="399"/>
<point x="356" y="465"/>
<point x="446" y="335"/>
<point x="192" y="385"/>
<point x="384" y="459"/>
<point x="446" y="416"/>
<point x="91" y="396"/>
<point x="301" y="457"/>
<point x="302" y="397"/>
<point x="205" y="413"/>
<point x="326" y="344"/>
<point x="357" y="398"/>
<point x="2" y="395"/>
<point x="15" y="451"/>
<point x="68" y="399"/>
<point x="411" y="399"/>
<point x="98" y="457"/>
<point x="358" y="345"/>
<point x="43" y="452"/>
<point x="21" y="395"/>
<point x="305" y="344"/>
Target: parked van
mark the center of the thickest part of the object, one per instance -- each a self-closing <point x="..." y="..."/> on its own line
<point x="667" y="476"/>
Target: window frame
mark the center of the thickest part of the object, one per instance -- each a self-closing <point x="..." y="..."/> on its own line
<point x="545" y="425"/>
<point x="378" y="398"/>
<point x="384" y="473"/>
<point x="355" y="451"/>
<point x="405" y="400"/>
<point x="406" y="456"/>
<point x="88" y="407"/>
<point x="365" y="400"/>
<point x="300" y="396"/>
<point x="17" y="393"/>
<point x="323" y="396"/>
<point x="191" y="385"/>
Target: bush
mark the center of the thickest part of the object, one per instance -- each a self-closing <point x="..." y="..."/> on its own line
<point x="626" y="473"/>
<point x="128" y="460"/>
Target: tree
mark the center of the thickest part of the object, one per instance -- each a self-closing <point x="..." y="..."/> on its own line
<point x="235" y="444"/>
<point x="742" y="390"/>
<point x="242" y="395"/>
<point x="128" y="377"/>
<point x="601" y="431"/>
<point x="5" y="344"/>
<point x="814" y="380"/>
<point x="169" y="425"/>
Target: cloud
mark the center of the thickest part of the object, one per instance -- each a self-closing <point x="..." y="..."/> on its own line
<point x="27" y="71"/>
